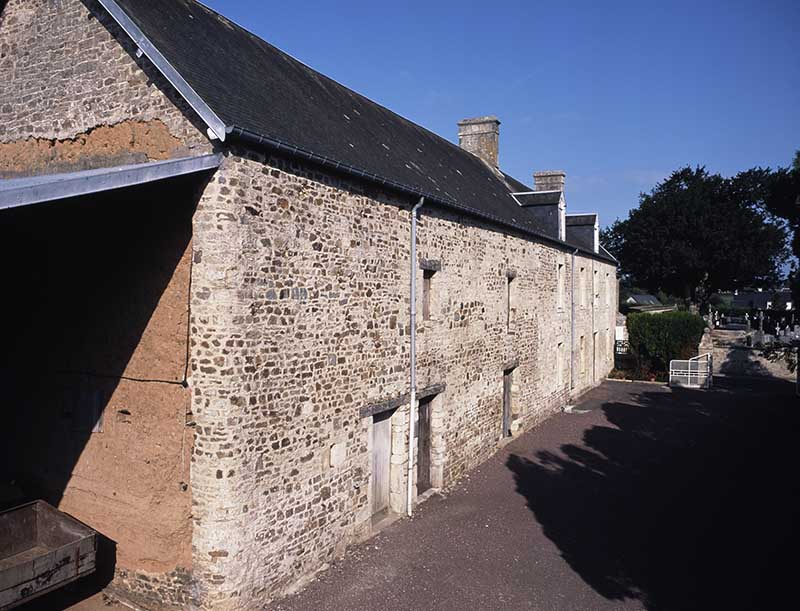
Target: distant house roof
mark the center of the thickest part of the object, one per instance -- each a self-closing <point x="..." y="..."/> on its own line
<point x="264" y="96"/>
<point x="761" y="300"/>
<point x="648" y="300"/>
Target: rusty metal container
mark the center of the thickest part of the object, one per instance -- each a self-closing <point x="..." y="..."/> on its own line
<point x="41" y="549"/>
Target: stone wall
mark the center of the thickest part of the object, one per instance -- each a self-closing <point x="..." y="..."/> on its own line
<point x="300" y="324"/>
<point x="74" y="97"/>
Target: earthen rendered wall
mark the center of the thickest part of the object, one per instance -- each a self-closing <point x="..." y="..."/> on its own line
<point x="300" y="319"/>
<point x="72" y="97"/>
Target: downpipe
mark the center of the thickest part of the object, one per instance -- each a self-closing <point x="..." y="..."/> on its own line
<point x="594" y="331"/>
<point x="413" y="356"/>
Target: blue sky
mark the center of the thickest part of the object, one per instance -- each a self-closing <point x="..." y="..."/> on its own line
<point x="618" y="94"/>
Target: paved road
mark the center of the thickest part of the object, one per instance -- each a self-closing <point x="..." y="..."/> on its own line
<point x="652" y="499"/>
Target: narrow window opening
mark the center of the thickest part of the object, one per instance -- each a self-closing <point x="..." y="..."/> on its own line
<point x="511" y="311"/>
<point x="596" y="288"/>
<point x="427" y="280"/>
<point x="582" y="355"/>
<point x="560" y="286"/>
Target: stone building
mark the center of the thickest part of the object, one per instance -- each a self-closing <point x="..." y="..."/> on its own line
<point x="208" y="313"/>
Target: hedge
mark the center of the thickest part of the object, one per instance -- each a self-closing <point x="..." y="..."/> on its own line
<point x="656" y="339"/>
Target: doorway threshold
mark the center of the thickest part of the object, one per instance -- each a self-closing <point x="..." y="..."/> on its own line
<point x="383" y="519"/>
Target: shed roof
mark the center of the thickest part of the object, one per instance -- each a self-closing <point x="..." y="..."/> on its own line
<point x="15" y="192"/>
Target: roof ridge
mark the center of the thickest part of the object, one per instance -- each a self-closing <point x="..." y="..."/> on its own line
<point x="273" y="98"/>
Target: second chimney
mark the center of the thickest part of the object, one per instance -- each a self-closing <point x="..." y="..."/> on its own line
<point x="549" y="180"/>
<point x="481" y="137"/>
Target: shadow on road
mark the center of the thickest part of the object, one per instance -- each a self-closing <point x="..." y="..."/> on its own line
<point x="732" y="357"/>
<point x="683" y="500"/>
<point x="743" y="362"/>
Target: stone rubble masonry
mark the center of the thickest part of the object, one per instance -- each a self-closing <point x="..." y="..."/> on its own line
<point x="481" y="136"/>
<point x="300" y="320"/>
<point x="168" y="592"/>
<point x="549" y="180"/>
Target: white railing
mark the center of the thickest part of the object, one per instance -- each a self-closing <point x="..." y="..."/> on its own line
<point x="697" y="372"/>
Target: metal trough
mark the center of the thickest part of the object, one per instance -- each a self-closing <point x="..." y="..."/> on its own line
<point x="41" y="549"/>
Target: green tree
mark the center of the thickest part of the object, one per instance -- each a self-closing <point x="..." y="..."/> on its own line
<point x="656" y="339"/>
<point x="783" y="200"/>
<point x="696" y="232"/>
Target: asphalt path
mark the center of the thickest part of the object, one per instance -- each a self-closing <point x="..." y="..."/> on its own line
<point x="643" y="498"/>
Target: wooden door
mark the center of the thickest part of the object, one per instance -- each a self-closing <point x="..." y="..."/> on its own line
<point x="507" y="403"/>
<point x="381" y="463"/>
<point x="424" y="447"/>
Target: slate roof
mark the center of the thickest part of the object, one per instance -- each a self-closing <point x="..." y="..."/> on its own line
<point x="645" y="300"/>
<point x="259" y="91"/>
<point x="759" y="299"/>
<point x="581" y="219"/>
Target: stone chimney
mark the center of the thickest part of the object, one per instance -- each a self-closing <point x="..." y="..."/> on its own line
<point x="481" y="137"/>
<point x="549" y="180"/>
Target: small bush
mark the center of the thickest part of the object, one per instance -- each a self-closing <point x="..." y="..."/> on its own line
<point x="656" y="339"/>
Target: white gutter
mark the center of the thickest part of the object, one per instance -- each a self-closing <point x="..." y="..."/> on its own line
<point x="413" y="307"/>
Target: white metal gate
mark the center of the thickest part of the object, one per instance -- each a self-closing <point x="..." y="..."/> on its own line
<point x="694" y="373"/>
